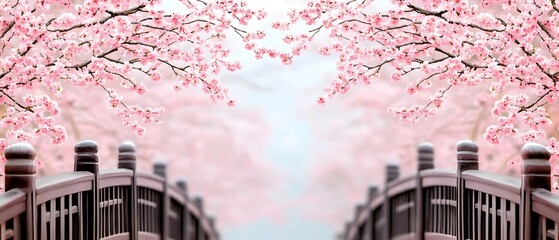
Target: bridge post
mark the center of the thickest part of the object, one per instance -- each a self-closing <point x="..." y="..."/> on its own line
<point x="346" y="230"/>
<point x="212" y="220"/>
<point x="86" y="160"/>
<point x="183" y="185"/>
<point x="199" y="202"/>
<point x="358" y="209"/>
<point x="20" y="172"/>
<point x="425" y="160"/>
<point x="370" y="225"/>
<point x="160" y="169"/>
<point x="467" y="159"/>
<point x="127" y="160"/>
<point x="536" y="173"/>
<point x="392" y="173"/>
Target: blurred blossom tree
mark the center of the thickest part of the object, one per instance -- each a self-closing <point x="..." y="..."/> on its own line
<point x="444" y="47"/>
<point x="351" y="152"/>
<point x="48" y="45"/>
<point x="219" y="150"/>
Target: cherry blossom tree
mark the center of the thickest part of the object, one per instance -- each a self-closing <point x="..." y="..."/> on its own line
<point x="47" y="46"/>
<point x="508" y="47"/>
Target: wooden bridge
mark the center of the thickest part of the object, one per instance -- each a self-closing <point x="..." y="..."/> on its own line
<point x="461" y="204"/>
<point x="125" y="204"/>
<point x="90" y="204"/>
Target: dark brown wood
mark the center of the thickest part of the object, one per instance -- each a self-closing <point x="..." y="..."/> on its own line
<point x="536" y="174"/>
<point x="160" y="169"/>
<point x="199" y="202"/>
<point x="127" y="160"/>
<point x="392" y="173"/>
<point x="20" y="172"/>
<point x="467" y="159"/>
<point x="212" y="222"/>
<point x="463" y="204"/>
<point x="183" y="185"/>
<point x="89" y="204"/>
<point x="347" y="226"/>
<point x="425" y="156"/>
<point x="86" y="160"/>
<point x="372" y="192"/>
<point x="358" y="230"/>
<point x="425" y="161"/>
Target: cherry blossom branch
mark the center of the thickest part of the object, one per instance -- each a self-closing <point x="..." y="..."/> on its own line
<point x="26" y="108"/>
<point x="441" y="13"/>
<point x="526" y="108"/>
<point x="8" y="28"/>
<point x="101" y="21"/>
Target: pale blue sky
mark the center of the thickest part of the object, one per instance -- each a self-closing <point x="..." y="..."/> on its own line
<point x="290" y="145"/>
<point x="280" y="93"/>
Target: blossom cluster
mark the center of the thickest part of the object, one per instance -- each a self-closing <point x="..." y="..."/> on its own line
<point x="111" y="46"/>
<point x="511" y="48"/>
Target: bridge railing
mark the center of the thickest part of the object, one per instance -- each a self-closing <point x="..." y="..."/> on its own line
<point x="461" y="204"/>
<point x="91" y="204"/>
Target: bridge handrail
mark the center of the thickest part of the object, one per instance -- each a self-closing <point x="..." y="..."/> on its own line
<point x="546" y="204"/>
<point x="462" y="204"/>
<point x="93" y="204"/>
<point x="498" y="185"/>
<point x="12" y="204"/>
<point x="438" y="177"/>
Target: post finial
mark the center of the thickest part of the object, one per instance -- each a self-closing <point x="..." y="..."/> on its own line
<point x="372" y="191"/>
<point x="86" y="152"/>
<point x="392" y="172"/>
<point x="160" y="168"/>
<point x="20" y="167"/>
<point x="211" y="221"/>
<point x="127" y="155"/>
<point x="20" y="151"/>
<point x="20" y="172"/>
<point x="536" y="174"/>
<point x="358" y="209"/>
<point x="182" y="184"/>
<point x="467" y="156"/>
<point x="536" y="163"/>
<point x="199" y="202"/>
<point x="425" y="156"/>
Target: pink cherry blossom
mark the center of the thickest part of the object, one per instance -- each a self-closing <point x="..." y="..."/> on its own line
<point x="439" y="48"/>
<point x="49" y="46"/>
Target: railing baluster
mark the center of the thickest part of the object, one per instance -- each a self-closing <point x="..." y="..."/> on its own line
<point x="479" y="214"/>
<point x="487" y="215"/>
<point x="494" y="217"/>
<point x="70" y="219"/>
<point x="44" y="221"/>
<point x="556" y="237"/>
<point x="62" y="218"/>
<point x="52" y="220"/>
<point x="504" y="222"/>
